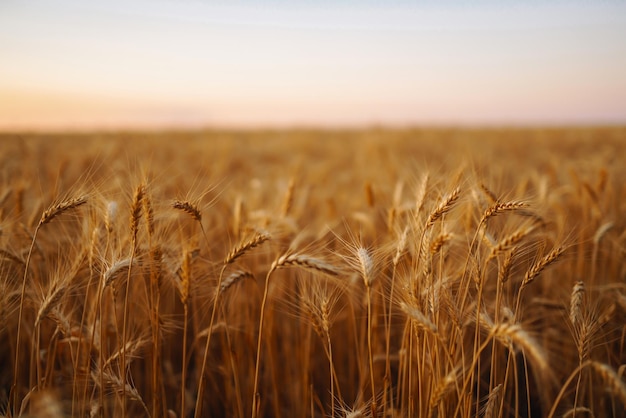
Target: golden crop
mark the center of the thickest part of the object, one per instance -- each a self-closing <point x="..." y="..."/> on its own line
<point x="414" y="273"/>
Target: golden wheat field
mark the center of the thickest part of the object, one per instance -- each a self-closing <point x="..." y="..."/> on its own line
<point x="374" y="273"/>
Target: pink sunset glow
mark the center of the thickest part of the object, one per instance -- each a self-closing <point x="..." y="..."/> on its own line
<point x="88" y="65"/>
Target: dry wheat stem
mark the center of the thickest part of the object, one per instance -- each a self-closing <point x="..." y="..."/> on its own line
<point x="184" y="285"/>
<point x="235" y="253"/>
<point x="198" y="410"/>
<point x="46" y="217"/>
<point x="256" y="396"/>
<point x="612" y="379"/>
<point x="534" y="271"/>
<point x="136" y="211"/>
<point x="583" y="411"/>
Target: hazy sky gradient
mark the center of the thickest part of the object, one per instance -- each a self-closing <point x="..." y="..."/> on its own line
<point x="94" y="64"/>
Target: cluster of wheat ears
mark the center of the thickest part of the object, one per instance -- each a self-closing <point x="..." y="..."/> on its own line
<point x="273" y="275"/>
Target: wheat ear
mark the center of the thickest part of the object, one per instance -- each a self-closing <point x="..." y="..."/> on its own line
<point x="288" y="200"/>
<point x="544" y="262"/>
<point x="306" y="262"/>
<point x="510" y="241"/>
<point x="444" y="206"/>
<point x="49" y="214"/>
<point x="492" y="399"/>
<point x="576" y="303"/>
<point x="234" y="278"/>
<point x="189" y="208"/>
<point x="500" y="207"/>
<point x="534" y="271"/>
<point x="612" y="380"/>
<point x="244" y="246"/>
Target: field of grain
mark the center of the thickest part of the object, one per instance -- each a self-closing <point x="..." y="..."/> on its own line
<point x="409" y="273"/>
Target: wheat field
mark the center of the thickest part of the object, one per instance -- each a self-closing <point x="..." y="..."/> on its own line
<point x="374" y="273"/>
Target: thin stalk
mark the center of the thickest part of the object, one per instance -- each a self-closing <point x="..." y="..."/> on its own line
<point x="388" y="386"/>
<point x="369" y="349"/>
<point x="256" y="397"/>
<point x="184" y="361"/>
<point x="125" y="325"/>
<point x="332" y="375"/>
<point x="198" y="412"/>
<point x="233" y="368"/>
<point x="19" y="320"/>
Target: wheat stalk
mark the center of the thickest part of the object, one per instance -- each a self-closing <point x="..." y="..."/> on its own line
<point x="135" y="216"/>
<point x="578" y="411"/>
<point x="46" y="217"/>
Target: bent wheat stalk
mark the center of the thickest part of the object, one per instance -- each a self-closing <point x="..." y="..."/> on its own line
<point x="235" y="253"/>
<point x="136" y="210"/>
<point x="46" y="217"/>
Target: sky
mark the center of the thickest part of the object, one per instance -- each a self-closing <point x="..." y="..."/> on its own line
<point x="70" y="64"/>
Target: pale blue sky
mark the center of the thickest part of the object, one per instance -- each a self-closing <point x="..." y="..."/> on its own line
<point x="196" y="63"/>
